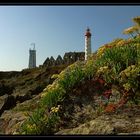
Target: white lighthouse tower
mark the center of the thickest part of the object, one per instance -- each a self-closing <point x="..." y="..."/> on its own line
<point x="32" y="57"/>
<point x="87" y="43"/>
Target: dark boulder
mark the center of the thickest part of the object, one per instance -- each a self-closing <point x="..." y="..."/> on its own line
<point x="7" y="102"/>
<point x="5" y="89"/>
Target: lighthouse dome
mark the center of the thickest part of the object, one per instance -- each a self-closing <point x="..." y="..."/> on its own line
<point x="88" y="34"/>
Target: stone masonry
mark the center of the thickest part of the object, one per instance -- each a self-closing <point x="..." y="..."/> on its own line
<point x="68" y="58"/>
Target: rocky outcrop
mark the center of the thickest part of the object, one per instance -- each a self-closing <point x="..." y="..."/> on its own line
<point x="5" y="88"/>
<point x="8" y="74"/>
<point x="11" y="120"/>
<point x="122" y="123"/>
<point x="78" y="114"/>
<point x="6" y="102"/>
<point x="24" y="86"/>
<point x="82" y="114"/>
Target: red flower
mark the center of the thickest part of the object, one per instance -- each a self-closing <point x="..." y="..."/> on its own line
<point x="110" y="108"/>
<point x="101" y="81"/>
<point x="107" y="93"/>
<point x="107" y="46"/>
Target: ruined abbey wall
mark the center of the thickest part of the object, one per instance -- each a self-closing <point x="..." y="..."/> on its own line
<point x="68" y="58"/>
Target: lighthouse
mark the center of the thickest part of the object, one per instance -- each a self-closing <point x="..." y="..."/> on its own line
<point x="87" y="43"/>
<point x="32" y="57"/>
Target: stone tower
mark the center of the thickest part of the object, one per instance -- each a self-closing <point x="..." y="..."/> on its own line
<point x="87" y="43"/>
<point x="32" y="57"/>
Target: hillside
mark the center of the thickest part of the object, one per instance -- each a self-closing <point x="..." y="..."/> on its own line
<point x="97" y="96"/>
<point x="85" y="95"/>
<point x="17" y="88"/>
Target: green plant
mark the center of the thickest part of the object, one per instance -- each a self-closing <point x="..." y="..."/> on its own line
<point x="53" y="96"/>
<point x="114" y="60"/>
<point x="89" y="69"/>
<point x="129" y="78"/>
<point x="32" y="124"/>
<point x="134" y="30"/>
<point x="72" y="75"/>
<point x="41" y="121"/>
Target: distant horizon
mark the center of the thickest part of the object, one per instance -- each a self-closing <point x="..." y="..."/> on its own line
<point x="56" y="30"/>
<point x="44" y="61"/>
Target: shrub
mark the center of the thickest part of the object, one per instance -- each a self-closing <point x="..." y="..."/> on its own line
<point x="129" y="78"/>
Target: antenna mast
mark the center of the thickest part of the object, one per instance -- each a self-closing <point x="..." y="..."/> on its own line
<point x="33" y="45"/>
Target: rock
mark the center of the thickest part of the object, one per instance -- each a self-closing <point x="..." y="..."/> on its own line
<point x="21" y="93"/>
<point x="5" y="89"/>
<point x="24" y="85"/>
<point x="106" y="124"/>
<point x="2" y="100"/>
<point x="7" y="102"/>
<point x="92" y="127"/>
<point x="28" y="105"/>
<point x="11" y="122"/>
<point x="8" y="74"/>
<point x="137" y="120"/>
<point x="133" y="133"/>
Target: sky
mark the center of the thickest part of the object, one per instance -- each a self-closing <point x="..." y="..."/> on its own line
<point x="57" y="29"/>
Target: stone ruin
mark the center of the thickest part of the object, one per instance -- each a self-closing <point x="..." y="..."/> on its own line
<point x="68" y="58"/>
